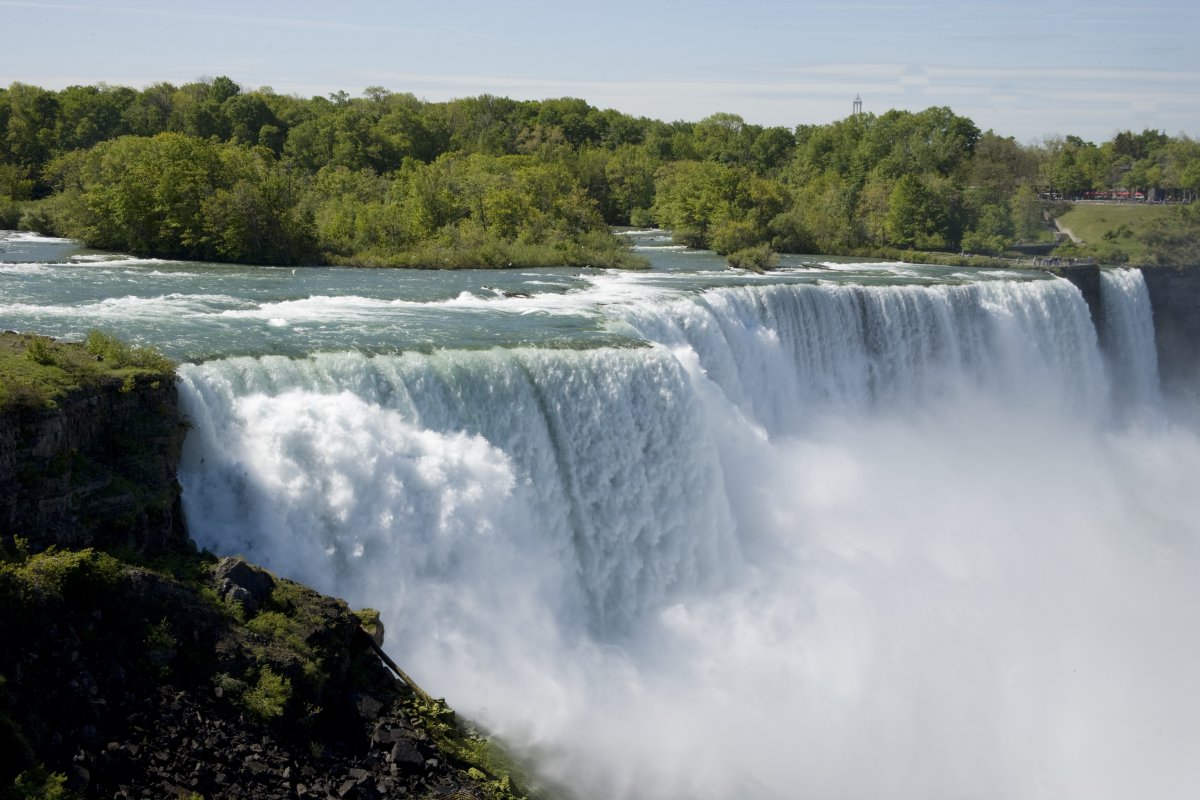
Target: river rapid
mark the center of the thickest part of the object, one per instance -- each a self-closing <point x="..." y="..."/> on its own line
<point x="845" y="530"/>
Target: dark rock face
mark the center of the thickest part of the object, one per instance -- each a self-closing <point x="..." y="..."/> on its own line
<point x="1175" y="298"/>
<point x="1087" y="281"/>
<point x="243" y="583"/>
<point x="97" y="470"/>
<point x="130" y="694"/>
<point x="197" y="677"/>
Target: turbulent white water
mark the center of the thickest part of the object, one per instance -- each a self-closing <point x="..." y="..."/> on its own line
<point x="823" y="540"/>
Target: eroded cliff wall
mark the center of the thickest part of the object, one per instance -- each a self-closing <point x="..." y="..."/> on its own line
<point x="1175" y="298"/>
<point x="97" y="469"/>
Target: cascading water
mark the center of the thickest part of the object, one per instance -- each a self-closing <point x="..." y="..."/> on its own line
<point x="812" y="541"/>
<point x="594" y="461"/>
<point x="841" y="531"/>
<point x="1129" y="340"/>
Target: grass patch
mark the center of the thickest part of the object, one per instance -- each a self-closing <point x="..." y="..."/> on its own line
<point x="36" y="371"/>
<point x="1115" y="230"/>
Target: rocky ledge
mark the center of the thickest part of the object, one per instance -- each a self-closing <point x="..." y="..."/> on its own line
<point x="134" y="666"/>
<point x="198" y="678"/>
<point x="88" y="454"/>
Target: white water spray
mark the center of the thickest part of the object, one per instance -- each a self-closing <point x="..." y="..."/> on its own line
<point x="817" y="541"/>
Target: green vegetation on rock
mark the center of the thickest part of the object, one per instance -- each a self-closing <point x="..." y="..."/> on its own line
<point x="294" y="666"/>
<point x="756" y="259"/>
<point x="36" y="371"/>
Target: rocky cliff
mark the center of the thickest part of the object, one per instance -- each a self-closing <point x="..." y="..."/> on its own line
<point x="1175" y="298"/>
<point x="132" y="665"/>
<point x="211" y="679"/>
<point x="95" y="469"/>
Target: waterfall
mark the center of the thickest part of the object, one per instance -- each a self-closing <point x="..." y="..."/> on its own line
<point x="340" y="460"/>
<point x="804" y="540"/>
<point x="1129" y="338"/>
<point x="781" y="352"/>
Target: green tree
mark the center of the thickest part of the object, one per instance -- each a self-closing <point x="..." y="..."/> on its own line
<point x="29" y="138"/>
<point x="245" y="116"/>
<point x="1000" y="165"/>
<point x="629" y="173"/>
<point x="1173" y="241"/>
<point x="178" y="196"/>
<point x="723" y="137"/>
<point x="917" y="217"/>
<point x="90" y="114"/>
<point x="691" y="195"/>
<point x="151" y="110"/>
<point x="1026" y="212"/>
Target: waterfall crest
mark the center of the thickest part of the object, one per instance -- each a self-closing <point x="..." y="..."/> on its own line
<point x="812" y="539"/>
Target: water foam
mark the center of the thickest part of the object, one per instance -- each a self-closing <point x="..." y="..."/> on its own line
<point x="816" y="540"/>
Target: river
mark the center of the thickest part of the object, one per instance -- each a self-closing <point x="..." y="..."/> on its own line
<point x="845" y="530"/>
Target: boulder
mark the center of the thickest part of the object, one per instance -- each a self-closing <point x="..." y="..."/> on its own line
<point x="243" y="583"/>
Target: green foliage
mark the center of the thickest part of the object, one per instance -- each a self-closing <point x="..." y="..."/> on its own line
<point x="473" y="211"/>
<point x="209" y="171"/>
<point x="486" y="760"/>
<point x="288" y="631"/>
<point x="1132" y="233"/>
<point x="270" y="695"/>
<point x="916" y="215"/>
<point x="38" y="218"/>
<point x="693" y="197"/>
<point x="38" y="784"/>
<point x="1026" y="212"/>
<point x="1175" y="239"/>
<point x="182" y="197"/>
<point x="755" y="259"/>
<point x="10" y="214"/>
<point x="118" y="354"/>
<point x="369" y="620"/>
<point x="36" y="370"/>
<point x="72" y="575"/>
<point x="39" y="351"/>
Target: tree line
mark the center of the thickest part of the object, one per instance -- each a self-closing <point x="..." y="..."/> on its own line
<point x="210" y="171"/>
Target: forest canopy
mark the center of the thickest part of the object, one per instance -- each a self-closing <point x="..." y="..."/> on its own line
<point x="208" y="170"/>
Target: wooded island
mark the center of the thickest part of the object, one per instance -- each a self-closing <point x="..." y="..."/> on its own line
<point x="209" y="171"/>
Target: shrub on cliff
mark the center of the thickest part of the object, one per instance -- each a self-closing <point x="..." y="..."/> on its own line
<point x="36" y="370"/>
<point x="117" y="354"/>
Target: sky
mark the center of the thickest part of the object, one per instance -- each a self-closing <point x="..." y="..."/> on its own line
<point x="1024" y="69"/>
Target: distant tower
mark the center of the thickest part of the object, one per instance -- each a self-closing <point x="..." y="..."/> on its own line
<point x="857" y="105"/>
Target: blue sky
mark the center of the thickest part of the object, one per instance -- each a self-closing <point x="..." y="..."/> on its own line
<point x="1025" y="69"/>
